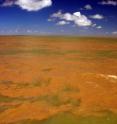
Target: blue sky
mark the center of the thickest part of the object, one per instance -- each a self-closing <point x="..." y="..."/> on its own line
<point x="58" y="17"/>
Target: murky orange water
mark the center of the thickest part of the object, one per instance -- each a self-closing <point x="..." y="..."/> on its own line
<point x="43" y="76"/>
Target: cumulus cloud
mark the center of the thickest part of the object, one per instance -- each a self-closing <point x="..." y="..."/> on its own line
<point x="29" y="5"/>
<point x="97" y="16"/>
<point x="88" y="7"/>
<point x="109" y="2"/>
<point x="62" y="23"/>
<point x="77" y="18"/>
<point x="94" y="25"/>
<point x="99" y="27"/>
<point x="8" y="3"/>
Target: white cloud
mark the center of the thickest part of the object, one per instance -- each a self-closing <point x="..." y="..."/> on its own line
<point x="114" y="33"/>
<point x="29" y="31"/>
<point x="77" y="18"/>
<point x="97" y="16"/>
<point x="94" y="25"/>
<point x="88" y="7"/>
<point x="49" y="20"/>
<point x="99" y="27"/>
<point x="62" y="23"/>
<point x="109" y="2"/>
<point x="8" y="3"/>
<point x="29" y="5"/>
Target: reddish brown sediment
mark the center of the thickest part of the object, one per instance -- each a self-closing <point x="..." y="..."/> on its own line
<point x="45" y="76"/>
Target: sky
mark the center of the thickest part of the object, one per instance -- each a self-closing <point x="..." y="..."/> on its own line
<point x="58" y="17"/>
